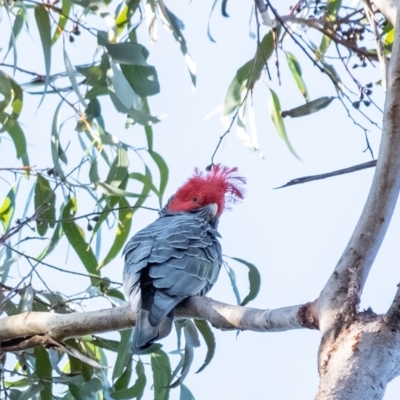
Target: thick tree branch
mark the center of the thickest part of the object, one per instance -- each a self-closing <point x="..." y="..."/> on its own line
<point x="31" y="329"/>
<point x="341" y="294"/>
<point x="388" y="8"/>
<point x="392" y="318"/>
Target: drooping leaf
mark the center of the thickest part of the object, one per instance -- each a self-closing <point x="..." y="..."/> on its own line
<point x="124" y="222"/>
<point x="66" y="6"/>
<point x="161" y="374"/>
<point x="17" y="136"/>
<point x="309" y="108"/>
<point x="185" y="394"/>
<point x="275" y="111"/>
<point x="71" y="75"/>
<point x="109" y="190"/>
<point x="254" y="280"/>
<point x="31" y="392"/>
<point x="26" y="301"/>
<point x="191" y="341"/>
<point x="332" y="9"/>
<point x="124" y="353"/>
<point x="43" y="24"/>
<point x="232" y="278"/>
<point x="164" y="173"/>
<point x="125" y="52"/>
<point x="175" y="26"/>
<point x="145" y="179"/>
<point x="151" y="19"/>
<point x="107" y="344"/>
<point x="119" y="168"/>
<point x="135" y="391"/>
<point x="57" y="153"/>
<point x="209" y="338"/>
<point x="143" y="79"/>
<point x="7" y="208"/>
<point x="96" y="75"/>
<point x="295" y="69"/>
<point x="75" y="237"/>
<point x="45" y="205"/>
<point x="248" y="74"/>
<point x="43" y="370"/>
<point x="16" y="30"/>
<point x="5" y="90"/>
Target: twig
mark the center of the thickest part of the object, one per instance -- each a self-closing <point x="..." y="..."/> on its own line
<point x="311" y="178"/>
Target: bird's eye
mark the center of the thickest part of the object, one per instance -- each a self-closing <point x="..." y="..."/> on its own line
<point x="194" y="199"/>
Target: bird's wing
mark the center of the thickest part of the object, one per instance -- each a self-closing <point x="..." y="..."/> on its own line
<point x="183" y="256"/>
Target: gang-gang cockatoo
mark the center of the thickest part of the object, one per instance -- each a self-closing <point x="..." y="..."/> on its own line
<point x="178" y="255"/>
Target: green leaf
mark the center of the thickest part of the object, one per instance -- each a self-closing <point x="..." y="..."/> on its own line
<point x="43" y="371"/>
<point x="332" y="10"/>
<point x="125" y="52"/>
<point x="275" y="111"/>
<point x="295" y="69"/>
<point x="248" y="74"/>
<point x="62" y="20"/>
<point x="174" y="25"/>
<point x="191" y="341"/>
<point x="145" y="179"/>
<point x="107" y="344"/>
<point x="75" y="237"/>
<point x="31" y="392"/>
<point x="26" y="301"/>
<point x="125" y="215"/>
<point x="57" y="153"/>
<point x="234" y="95"/>
<point x="185" y="394"/>
<point x="71" y="75"/>
<point x="123" y="381"/>
<point x="254" y="280"/>
<point x="5" y="90"/>
<point x="45" y="205"/>
<point x="124" y="353"/>
<point x="119" y="168"/>
<point x="135" y="391"/>
<point x="57" y="234"/>
<point x="161" y="374"/>
<point x="109" y="190"/>
<point x="309" y="108"/>
<point x="143" y="79"/>
<point x="7" y="208"/>
<point x="209" y="338"/>
<point x="164" y="173"/>
<point x="232" y="278"/>
<point x="18" y="138"/>
<point x="148" y="128"/>
<point x="16" y="30"/>
<point x="43" y="24"/>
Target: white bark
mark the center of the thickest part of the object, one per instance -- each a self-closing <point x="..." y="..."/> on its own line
<point x="388" y="8"/>
<point x="360" y="362"/>
<point x="344" y="287"/>
<point x="31" y="329"/>
<point x="359" y="354"/>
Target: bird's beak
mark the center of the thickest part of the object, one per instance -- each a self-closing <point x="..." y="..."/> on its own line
<point x="211" y="211"/>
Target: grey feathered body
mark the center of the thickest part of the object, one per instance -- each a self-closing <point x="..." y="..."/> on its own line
<point x="175" y="257"/>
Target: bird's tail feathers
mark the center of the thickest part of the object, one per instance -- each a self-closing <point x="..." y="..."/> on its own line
<point x="146" y="334"/>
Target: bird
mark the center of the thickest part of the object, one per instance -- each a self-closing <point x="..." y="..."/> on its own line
<point x="178" y="255"/>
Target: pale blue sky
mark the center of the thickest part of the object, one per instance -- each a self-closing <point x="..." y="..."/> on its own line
<point x="294" y="235"/>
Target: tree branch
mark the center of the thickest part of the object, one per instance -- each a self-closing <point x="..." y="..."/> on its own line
<point x="31" y="329"/>
<point x="342" y="291"/>
<point x="343" y="171"/>
<point x="388" y="8"/>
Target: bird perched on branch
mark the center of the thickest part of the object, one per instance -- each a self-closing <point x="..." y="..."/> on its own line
<point x="178" y="255"/>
